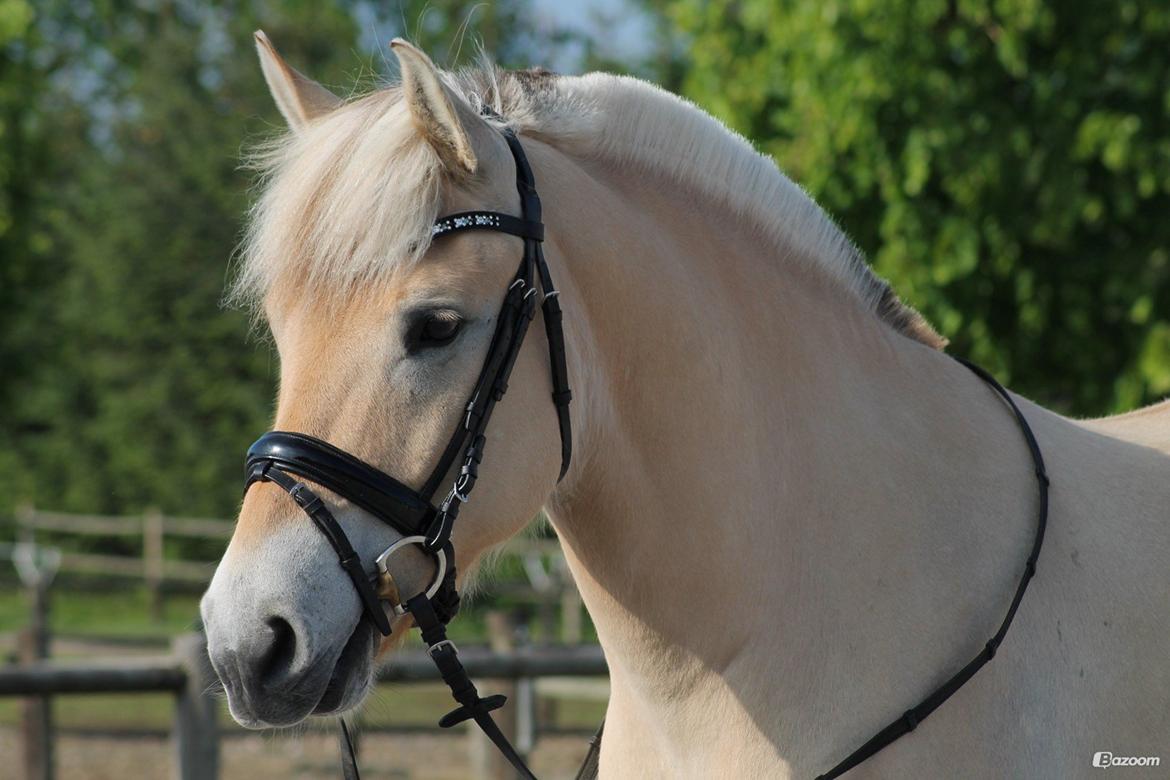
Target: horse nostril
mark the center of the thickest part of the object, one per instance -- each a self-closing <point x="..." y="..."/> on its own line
<point x="278" y="658"/>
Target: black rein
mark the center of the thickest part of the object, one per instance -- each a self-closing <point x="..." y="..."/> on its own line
<point x="910" y="719"/>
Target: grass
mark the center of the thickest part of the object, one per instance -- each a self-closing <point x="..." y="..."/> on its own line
<point x="123" y="613"/>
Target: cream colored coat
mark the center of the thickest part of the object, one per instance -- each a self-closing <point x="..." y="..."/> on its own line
<point x="790" y="514"/>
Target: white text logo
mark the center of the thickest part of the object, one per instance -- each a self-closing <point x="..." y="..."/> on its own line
<point x="1104" y="759"/>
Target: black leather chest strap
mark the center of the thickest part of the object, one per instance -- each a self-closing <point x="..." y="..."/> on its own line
<point x="910" y="719"/>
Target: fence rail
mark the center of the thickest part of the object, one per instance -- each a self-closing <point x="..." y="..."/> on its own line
<point x="167" y="674"/>
<point x="46" y="677"/>
<point x="152" y="566"/>
<point x="153" y="526"/>
<point x="187" y="674"/>
<point x="512" y="663"/>
<point x="157" y="570"/>
<point x="124" y="525"/>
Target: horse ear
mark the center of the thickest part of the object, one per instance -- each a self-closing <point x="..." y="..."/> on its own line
<point x="299" y="98"/>
<point x="436" y="112"/>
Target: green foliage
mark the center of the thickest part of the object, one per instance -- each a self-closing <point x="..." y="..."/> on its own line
<point x="136" y="387"/>
<point x="1006" y="164"/>
<point x="27" y="260"/>
<point x="455" y="32"/>
<point x="123" y="381"/>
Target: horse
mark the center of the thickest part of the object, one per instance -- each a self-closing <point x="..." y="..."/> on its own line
<point x="790" y="513"/>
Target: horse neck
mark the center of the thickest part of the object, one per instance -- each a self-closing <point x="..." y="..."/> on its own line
<point x="765" y="470"/>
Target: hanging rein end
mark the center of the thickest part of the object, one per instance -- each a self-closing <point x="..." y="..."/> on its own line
<point x="446" y="657"/>
<point x="462" y="712"/>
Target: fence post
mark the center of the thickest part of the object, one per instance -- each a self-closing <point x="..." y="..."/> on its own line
<point x="486" y="762"/>
<point x="152" y="560"/>
<point x="26" y="523"/>
<point x="571" y="614"/>
<point x="525" y="701"/>
<point x="37" y="711"/>
<point x="195" y="739"/>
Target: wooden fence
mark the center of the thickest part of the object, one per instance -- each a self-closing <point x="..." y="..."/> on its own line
<point x="551" y="588"/>
<point x="188" y="676"/>
<point x="510" y="662"/>
<point x="152" y="527"/>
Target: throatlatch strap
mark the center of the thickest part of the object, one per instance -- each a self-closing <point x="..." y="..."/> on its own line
<point x="915" y="715"/>
<point x="553" y="330"/>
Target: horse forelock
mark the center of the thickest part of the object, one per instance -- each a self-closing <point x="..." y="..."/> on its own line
<point x="341" y="204"/>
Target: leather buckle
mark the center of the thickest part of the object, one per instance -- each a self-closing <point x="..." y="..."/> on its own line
<point x="434" y="649"/>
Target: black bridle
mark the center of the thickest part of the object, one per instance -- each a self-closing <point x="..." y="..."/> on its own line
<point x="281" y="457"/>
<point x="285" y="459"/>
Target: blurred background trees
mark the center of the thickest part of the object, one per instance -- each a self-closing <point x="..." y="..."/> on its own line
<point x="1006" y="164"/>
<point x="131" y="384"/>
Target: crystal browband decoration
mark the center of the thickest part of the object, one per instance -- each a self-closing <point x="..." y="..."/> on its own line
<point x="462" y="221"/>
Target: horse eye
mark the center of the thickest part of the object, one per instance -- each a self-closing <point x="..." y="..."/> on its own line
<point x="440" y="329"/>
<point x="436" y="329"/>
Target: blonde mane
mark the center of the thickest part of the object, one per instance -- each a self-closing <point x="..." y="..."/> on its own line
<point x="354" y="194"/>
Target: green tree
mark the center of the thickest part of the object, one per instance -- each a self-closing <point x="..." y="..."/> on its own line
<point x="123" y="382"/>
<point x="136" y="387"/>
<point x="37" y="135"/>
<point x="1006" y="164"/>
